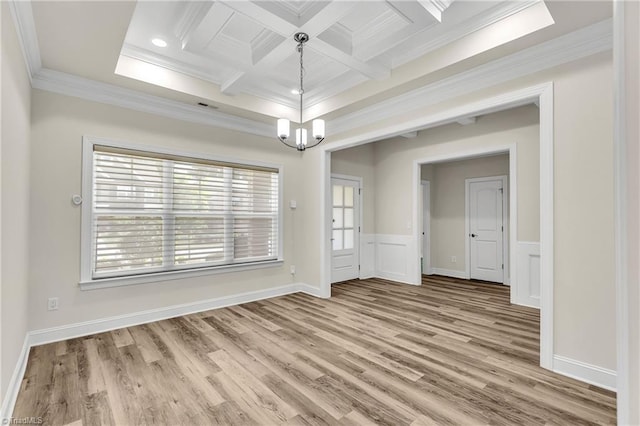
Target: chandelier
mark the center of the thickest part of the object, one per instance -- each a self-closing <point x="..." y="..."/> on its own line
<point x="283" y="126"/>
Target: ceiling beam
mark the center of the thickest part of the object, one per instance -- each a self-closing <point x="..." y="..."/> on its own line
<point x="200" y="33"/>
<point x="262" y="16"/>
<point x="371" y="70"/>
<point x="416" y="20"/>
<point x="435" y="7"/>
<point x="432" y="8"/>
<point x="319" y="23"/>
<point x="194" y="13"/>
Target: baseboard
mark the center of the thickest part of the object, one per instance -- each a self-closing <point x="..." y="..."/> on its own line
<point x="449" y="273"/>
<point x="314" y="291"/>
<point x="55" y="334"/>
<point x="592" y="374"/>
<point x="9" y="401"/>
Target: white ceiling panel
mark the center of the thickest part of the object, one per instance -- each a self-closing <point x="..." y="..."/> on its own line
<point x="247" y="47"/>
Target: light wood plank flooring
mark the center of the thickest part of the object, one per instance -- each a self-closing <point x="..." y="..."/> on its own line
<point x="448" y="352"/>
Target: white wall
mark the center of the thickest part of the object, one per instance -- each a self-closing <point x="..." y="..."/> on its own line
<point x="448" y="236"/>
<point x="584" y="291"/>
<point x="59" y="122"/>
<point x="394" y="158"/>
<point x="583" y="213"/>
<point x="14" y="178"/>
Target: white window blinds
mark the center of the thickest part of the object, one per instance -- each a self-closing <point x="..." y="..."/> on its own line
<point x="155" y="212"/>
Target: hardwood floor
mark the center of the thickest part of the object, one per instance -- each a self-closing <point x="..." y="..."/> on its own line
<point x="448" y="352"/>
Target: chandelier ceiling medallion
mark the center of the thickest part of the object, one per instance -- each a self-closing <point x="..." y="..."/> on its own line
<point x="283" y="126"/>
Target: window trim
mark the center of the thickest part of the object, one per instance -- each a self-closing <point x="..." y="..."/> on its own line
<point x="87" y="282"/>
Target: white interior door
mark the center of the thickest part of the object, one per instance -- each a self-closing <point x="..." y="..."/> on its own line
<point x="486" y="228"/>
<point x="345" y="238"/>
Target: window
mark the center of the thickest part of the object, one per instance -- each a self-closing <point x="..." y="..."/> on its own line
<point x="156" y="212"/>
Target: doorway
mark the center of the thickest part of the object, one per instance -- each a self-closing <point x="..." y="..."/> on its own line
<point x="542" y="95"/>
<point x="345" y="228"/>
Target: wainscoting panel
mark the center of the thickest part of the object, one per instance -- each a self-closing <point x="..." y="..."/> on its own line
<point x="396" y="258"/>
<point x="528" y="267"/>
<point x="367" y="256"/>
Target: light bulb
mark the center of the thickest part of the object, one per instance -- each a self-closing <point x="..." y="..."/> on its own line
<point x="318" y="129"/>
<point x="283" y="128"/>
<point x="301" y="137"/>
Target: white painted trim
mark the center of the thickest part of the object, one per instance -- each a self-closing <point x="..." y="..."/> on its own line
<point x="524" y="251"/>
<point x="489" y="17"/>
<point x="367" y="256"/>
<point x="543" y="92"/>
<point x="623" y="332"/>
<point x="313" y="291"/>
<point x="546" y="228"/>
<point x="426" y="228"/>
<point x="449" y="273"/>
<point x="94" y="91"/>
<point x="578" y="44"/>
<point x="506" y="254"/>
<point x="569" y="47"/>
<point x="86" y="243"/>
<point x="22" y="15"/>
<point x="598" y="376"/>
<point x="70" y="331"/>
<point x="401" y="261"/>
<point x="512" y="267"/>
<point x="157" y="277"/>
<point x="357" y="235"/>
<point x="11" y="395"/>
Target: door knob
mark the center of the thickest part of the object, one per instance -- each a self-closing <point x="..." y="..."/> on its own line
<point x="473" y="235"/>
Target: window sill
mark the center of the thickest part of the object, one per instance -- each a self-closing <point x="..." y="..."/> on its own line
<point x="174" y="275"/>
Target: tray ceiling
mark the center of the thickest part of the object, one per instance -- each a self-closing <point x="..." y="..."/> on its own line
<point x="247" y="47"/>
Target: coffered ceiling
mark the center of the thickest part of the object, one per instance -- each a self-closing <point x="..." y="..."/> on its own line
<point x="239" y="56"/>
<point x="247" y="47"/>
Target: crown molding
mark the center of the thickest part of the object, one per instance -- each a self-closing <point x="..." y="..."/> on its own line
<point x="22" y="15"/>
<point x="91" y="90"/>
<point x="570" y="47"/>
<point x="489" y="17"/>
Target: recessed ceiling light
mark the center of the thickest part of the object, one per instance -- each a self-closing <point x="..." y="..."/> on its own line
<point x="159" y="42"/>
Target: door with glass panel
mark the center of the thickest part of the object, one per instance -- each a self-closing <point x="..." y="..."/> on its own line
<point x="345" y="229"/>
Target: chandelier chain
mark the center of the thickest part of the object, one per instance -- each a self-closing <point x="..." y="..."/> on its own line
<point x="301" y="91"/>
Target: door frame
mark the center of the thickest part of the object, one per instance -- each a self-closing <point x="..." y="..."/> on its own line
<point x="426" y="224"/>
<point x="356" y="241"/>
<point x="542" y="95"/>
<point x="506" y="254"/>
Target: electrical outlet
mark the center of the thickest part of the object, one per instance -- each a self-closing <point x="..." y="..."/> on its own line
<point x="454" y="259"/>
<point x="292" y="268"/>
<point x="52" y="304"/>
